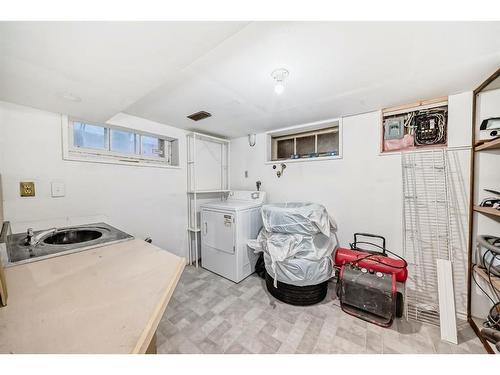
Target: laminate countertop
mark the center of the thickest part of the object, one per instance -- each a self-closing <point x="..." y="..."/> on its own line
<point x="104" y="300"/>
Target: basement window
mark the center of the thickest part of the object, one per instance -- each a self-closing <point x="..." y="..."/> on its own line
<point x="308" y="142"/>
<point x="111" y="144"/>
<point x="90" y="136"/>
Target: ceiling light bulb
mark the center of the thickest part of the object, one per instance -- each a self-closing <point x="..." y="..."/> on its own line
<point x="279" y="76"/>
<point x="279" y="88"/>
<point x="251" y="139"/>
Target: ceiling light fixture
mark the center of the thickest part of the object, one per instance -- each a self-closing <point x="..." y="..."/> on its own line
<point x="279" y="76"/>
<point x="251" y="139"/>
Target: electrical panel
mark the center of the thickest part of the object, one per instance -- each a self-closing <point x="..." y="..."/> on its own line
<point x="394" y="128"/>
<point x="414" y="128"/>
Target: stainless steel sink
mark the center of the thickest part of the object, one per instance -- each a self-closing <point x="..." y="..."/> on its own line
<point x="72" y="236"/>
<point x="61" y="241"/>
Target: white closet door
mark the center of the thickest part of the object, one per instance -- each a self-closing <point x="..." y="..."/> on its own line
<point x="218" y="230"/>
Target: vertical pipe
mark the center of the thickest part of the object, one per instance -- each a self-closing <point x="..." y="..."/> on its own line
<point x="188" y="169"/>
<point x="189" y="198"/>
<point x="188" y="231"/>
<point x="228" y="176"/>
<point x="222" y="161"/>
<point x="195" y="205"/>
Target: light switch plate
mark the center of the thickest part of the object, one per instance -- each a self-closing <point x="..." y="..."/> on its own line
<point x="27" y="188"/>
<point x="58" y="189"/>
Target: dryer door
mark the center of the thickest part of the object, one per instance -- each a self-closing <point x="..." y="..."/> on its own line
<point x="218" y="230"/>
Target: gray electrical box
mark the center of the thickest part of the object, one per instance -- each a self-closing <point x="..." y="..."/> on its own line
<point x="394" y="128"/>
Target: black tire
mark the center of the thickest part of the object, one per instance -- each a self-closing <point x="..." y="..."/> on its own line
<point x="297" y="295"/>
<point x="400" y="306"/>
<point x="260" y="267"/>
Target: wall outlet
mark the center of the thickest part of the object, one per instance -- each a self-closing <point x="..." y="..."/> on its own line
<point x="27" y="188"/>
<point x="58" y="189"/>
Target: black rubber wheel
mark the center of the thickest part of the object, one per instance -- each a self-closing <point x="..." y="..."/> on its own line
<point x="400" y="306"/>
<point x="260" y="267"/>
<point x="297" y="295"/>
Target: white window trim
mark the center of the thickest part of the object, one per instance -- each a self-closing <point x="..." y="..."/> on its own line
<point x="70" y="152"/>
<point x="303" y="128"/>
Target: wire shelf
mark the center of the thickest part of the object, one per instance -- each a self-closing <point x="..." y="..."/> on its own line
<point x="426" y="230"/>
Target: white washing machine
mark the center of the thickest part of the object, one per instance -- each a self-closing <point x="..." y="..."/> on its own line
<point x="226" y="226"/>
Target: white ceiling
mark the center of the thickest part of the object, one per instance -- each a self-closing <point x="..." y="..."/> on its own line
<point x="110" y="65"/>
<point x="168" y="70"/>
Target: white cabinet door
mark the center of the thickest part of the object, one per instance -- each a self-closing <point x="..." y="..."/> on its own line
<point x="218" y="230"/>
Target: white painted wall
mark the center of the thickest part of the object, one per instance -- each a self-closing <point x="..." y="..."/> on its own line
<point x="363" y="190"/>
<point x="488" y="105"/>
<point x="143" y="201"/>
<point x="208" y="166"/>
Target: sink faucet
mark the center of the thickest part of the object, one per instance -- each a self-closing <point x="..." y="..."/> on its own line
<point x="33" y="240"/>
<point x="29" y="236"/>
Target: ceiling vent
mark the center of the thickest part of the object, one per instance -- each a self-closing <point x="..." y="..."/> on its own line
<point x="199" y="115"/>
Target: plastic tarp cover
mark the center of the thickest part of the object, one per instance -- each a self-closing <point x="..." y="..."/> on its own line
<point x="297" y="218"/>
<point x="297" y="240"/>
<point x="298" y="271"/>
<point x="281" y="246"/>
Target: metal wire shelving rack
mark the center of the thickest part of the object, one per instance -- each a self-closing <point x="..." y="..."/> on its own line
<point x="427" y="230"/>
<point x="199" y="190"/>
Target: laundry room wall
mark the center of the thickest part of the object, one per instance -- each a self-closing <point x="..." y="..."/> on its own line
<point x="363" y="189"/>
<point x="143" y="201"/>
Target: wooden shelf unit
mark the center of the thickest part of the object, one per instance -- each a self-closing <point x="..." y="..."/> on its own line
<point x="476" y="325"/>
<point x="494" y="144"/>
<point x="495" y="280"/>
<point x="473" y="208"/>
<point x="487" y="211"/>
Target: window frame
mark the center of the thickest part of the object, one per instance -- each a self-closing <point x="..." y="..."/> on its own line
<point x="298" y="131"/>
<point x="72" y="152"/>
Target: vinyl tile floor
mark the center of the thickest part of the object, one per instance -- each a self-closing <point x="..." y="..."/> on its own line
<point x="209" y="314"/>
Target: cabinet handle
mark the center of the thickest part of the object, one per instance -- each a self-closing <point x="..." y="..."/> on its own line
<point x="206" y="227"/>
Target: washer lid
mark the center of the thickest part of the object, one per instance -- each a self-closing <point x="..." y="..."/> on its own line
<point x="231" y="205"/>
<point x="238" y="200"/>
